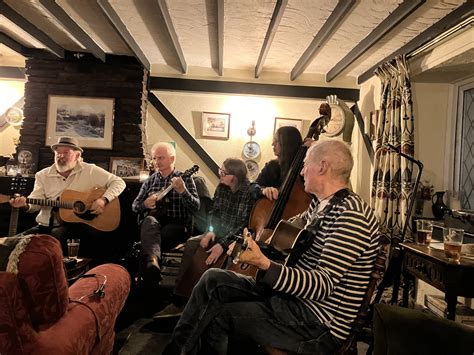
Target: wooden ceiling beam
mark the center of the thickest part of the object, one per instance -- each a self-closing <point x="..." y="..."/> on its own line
<point x="73" y="28"/>
<point x="172" y="32"/>
<point x="272" y="29"/>
<point x="327" y="30"/>
<point x="231" y="87"/>
<point x="455" y="17"/>
<point x="220" y="37"/>
<point x="394" y="19"/>
<point x="12" y="44"/>
<point x="31" y="29"/>
<point x="122" y="31"/>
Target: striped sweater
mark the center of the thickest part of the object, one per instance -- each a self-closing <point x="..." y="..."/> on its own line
<point x="332" y="275"/>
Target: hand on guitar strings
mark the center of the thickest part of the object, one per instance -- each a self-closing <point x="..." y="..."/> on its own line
<point x="252" y="254"/>
<point x="98" y="206"/>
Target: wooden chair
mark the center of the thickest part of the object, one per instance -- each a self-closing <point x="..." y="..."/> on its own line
<point x="363" y="318"/>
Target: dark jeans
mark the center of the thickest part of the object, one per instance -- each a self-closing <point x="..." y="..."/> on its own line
<point x="157" y="235"/>
<point x="225" y="304"/>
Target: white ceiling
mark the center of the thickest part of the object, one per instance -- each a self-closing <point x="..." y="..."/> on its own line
<point x="245" y="26"/>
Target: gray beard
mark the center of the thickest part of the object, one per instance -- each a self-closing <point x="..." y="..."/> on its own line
<point x="66" y="167"/>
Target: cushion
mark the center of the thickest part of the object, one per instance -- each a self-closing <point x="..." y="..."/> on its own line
<point x="42" y="277"/>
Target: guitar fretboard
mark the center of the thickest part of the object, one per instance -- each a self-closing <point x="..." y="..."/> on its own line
<point x="50" y="203"/>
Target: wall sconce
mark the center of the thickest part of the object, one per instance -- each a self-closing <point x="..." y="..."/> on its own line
<point x="144" y="174"/>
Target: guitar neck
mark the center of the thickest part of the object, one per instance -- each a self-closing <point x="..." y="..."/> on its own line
<point x="50" y="203"/>
<point x="12" y="227"/>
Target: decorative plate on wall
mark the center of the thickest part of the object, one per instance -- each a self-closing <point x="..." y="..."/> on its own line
<point x="251" y="150"/>
<point x="14" y="116"/>
<point x="252" y="168"/>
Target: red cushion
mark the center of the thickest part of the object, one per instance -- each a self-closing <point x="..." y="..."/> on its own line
<point x="42" y="277"/>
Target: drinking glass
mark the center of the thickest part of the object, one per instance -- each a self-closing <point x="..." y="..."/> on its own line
<point x="73" y="248"/>
<point x="424" y="230"/>
<point x="453" y="238"/>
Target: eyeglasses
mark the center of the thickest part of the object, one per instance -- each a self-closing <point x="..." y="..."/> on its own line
<point x="223" y="173"/>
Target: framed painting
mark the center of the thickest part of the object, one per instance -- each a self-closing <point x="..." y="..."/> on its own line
<point x="88" y="119"/>
<point x="283" y="122"/>
<point x="215" y="125"/>
<point x="128" y="168"/>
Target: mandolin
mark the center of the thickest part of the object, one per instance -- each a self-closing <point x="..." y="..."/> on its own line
<point x="159" y="196"/>
<point x="74" y="207"/>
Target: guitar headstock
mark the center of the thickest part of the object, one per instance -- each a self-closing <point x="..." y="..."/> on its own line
<point x="18" y="184"/>
<point x="191" y="171"/>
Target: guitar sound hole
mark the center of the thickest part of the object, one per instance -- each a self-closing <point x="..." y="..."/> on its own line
<point x="79" y="207"/>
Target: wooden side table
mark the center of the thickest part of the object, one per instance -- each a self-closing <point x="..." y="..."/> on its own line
<point x="81" y="267"/>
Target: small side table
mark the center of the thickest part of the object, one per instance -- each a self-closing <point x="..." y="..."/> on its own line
<point x="81" y="267"/>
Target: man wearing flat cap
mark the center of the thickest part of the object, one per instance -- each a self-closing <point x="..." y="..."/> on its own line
<point x="68" y="172"/>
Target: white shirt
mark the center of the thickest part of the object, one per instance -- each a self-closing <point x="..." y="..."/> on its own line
<point x="49" y="184"/>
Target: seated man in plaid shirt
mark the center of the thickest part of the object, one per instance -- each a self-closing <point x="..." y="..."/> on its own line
<point x="164" y="223"/>
<point x="232" y="204"/>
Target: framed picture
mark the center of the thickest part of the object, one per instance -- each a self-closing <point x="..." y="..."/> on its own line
<point x="282" y="122"/>
<point x="88" y="119"/>
<point x="215" y="125"/>
<point x="126" y="168"/>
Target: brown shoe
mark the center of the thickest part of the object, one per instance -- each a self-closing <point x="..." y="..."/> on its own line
<point x="152" y="271"/>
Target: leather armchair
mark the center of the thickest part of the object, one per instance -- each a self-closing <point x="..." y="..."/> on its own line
<point x="40" y="314"/>
<point x="399" y="330"/>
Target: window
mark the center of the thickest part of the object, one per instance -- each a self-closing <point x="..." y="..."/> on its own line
<point x="464" y="148"/>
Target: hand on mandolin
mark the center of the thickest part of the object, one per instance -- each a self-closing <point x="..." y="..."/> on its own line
<point x="178" y="184"/>
<point x="252" y="255"/>
<point x="150" y="202"/>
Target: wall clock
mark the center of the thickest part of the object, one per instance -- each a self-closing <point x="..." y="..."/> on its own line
<point x="342" y="120"/>
<point x="252" y="168"/>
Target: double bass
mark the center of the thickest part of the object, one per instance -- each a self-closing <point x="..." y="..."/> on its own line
<point x="292" y="198"/>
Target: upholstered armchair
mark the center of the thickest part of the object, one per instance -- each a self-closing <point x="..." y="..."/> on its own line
<point x="40" y="314"/>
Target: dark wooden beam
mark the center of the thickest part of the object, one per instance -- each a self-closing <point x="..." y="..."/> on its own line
<point x="327" y="30"/>
<point x="73" y="28"/>
<point x="11" y="43"/>
<point x="457" y="16"/>
<point x="393" y="20"/>
<point x="360" y="122"/>
<point x="31" y="29"/>
<point x="179" y="128"/>
<point x="12" y="72"/>
<point x="228" y="87"/>
<point x="122" y="31"/>
<point x="272" y="28"/>
<point x="220" y="37"/>
<point x="172" y="32"/>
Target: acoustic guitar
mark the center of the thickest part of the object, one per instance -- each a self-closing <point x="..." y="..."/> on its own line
<point x="74" y="207"/>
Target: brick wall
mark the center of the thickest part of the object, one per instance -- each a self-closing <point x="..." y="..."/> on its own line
<point x="120" y="78"/>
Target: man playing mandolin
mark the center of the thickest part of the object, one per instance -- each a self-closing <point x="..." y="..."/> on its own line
<point x="165" y="220"/>
<point x="68" y="172"/>
<point x="306" y="305"/>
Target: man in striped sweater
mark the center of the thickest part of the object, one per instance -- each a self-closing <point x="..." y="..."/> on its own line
<point x="308" y="304"/>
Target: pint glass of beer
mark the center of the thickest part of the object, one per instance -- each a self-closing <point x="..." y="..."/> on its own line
<point x="424" y="230"/>
<point x="452" y="238"/>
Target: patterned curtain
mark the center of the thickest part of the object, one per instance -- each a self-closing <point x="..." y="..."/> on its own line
<point x="392" y="185"/>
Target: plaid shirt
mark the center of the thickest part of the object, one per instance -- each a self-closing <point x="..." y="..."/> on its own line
<point x="177" y="205"/>
<point x="230" y="212"/>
